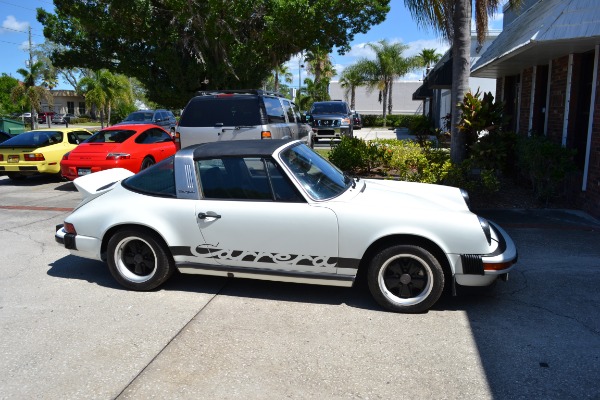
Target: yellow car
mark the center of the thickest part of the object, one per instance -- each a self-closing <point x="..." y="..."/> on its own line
<point x="39" y="151"/>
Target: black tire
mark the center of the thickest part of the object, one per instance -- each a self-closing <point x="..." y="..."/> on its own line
<point x="147" y="162"/>
<point x="138" y="259"/>
<point x="405" y="278"/>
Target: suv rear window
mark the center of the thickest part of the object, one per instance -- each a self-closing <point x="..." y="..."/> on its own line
<point x="226" y="110"/>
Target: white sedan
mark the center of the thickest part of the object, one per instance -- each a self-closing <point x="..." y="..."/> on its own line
<point x="276" y="210"/>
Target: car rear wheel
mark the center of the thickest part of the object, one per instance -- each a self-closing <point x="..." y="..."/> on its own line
<point x="147" y="162"/>
<point x="139" y="259"/>
<point x="405" y="278"/>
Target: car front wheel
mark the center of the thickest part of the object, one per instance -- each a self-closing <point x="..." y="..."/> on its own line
<point x="138" y="259"/>
<point x="405" y="278"/>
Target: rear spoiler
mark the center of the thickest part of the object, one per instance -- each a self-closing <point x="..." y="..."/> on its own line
<point x="98" y="183"/>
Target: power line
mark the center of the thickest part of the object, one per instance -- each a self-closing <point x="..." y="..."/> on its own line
<point x="16" y="30"/>
<point x="16" y="5"/>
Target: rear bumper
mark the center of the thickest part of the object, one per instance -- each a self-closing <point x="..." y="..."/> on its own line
<point x="78" y="245"/>
<point x="30" y="168"/>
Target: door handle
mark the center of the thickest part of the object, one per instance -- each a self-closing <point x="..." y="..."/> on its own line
<point x="203" y="215"/>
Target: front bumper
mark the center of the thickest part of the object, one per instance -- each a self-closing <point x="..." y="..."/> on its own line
<point x="331" y="132"/>
<point x="482" y="270"/>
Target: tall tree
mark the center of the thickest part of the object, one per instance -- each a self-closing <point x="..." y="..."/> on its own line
<point x="319" y="64"/>
<point x="380" y="73"/>
<point x="427" y="58"/>
<point x="30" y="91"/>
<point x="279" y="72"/>
<point x="350" y="79"/>
<point x="452" y="18"/>
<point x="7" y="105"/>
<point x="176" y="47"/>
<point x="103" y="89"/>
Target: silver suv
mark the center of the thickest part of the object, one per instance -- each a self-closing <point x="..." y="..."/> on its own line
<point x="239" y="114"/>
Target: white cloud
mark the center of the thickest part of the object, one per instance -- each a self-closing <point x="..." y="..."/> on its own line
<point x="10" y="23"/>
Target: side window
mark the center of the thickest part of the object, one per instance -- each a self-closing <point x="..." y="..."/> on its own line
<point x="274" y="109"/>
<point x="283" y="189"/>
<point x="152" y="136"/>
<point x="248" y="178"/>
<point x="81" y="135"/>
<point x="289" y="110"/>
<point x="72" y="138"/>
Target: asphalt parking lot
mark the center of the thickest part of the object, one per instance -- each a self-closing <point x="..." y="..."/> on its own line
<point x="68" y="331"/>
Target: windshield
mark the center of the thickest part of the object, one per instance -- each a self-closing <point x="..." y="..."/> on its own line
<point x="328" y="108"/>
<point x="34" y="138"/>
<point x="111" y="136"/>
<point x="321" y="179"/>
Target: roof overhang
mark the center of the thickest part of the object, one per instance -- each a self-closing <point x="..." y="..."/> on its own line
<point x="548" y="30"/>
<point x="514" y="60"/>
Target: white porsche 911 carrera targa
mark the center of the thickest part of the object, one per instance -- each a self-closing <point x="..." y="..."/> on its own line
<point x="276" y="210"/>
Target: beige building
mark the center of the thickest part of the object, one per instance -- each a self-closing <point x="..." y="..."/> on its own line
<point x="65" y="101"/>
<point x="368" y="103"/>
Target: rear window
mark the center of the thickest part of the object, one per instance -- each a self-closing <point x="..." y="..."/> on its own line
<point x="111" y="136"/>
<point x="140" y="116"/>
<point x="221" y="111"/>
<point x="34" y="138"/>
<point x="158" y="180"/>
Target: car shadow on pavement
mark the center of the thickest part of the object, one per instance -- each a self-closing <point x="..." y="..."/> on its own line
<point x="35" y="180"/>
<point x="358" y="296"/>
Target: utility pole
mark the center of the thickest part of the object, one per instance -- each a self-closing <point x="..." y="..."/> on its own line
<point x="33" y="116"/>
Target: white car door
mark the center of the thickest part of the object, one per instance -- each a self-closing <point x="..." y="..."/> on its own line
<point x="294" y="237"/>
<point x="250" y="218"/>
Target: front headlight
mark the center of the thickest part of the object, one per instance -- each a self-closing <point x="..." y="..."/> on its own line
<point x="485" y="225"/>
<point x="345" y="121"/>
<point x="465" y="196"/>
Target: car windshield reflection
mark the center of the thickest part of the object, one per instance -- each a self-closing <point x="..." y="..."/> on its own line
<point x="319" y="178"/>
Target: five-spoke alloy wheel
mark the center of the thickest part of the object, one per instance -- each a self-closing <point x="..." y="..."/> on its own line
<point x="138" y="259"/>
<point x="405" y="278"/>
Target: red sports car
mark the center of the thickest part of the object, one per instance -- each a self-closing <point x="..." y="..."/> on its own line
<point x="133" y="147"/>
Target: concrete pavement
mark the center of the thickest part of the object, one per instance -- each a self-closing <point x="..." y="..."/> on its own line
<point x="70" y="332"/>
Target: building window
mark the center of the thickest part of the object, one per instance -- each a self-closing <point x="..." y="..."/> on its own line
<point x="81" y="107"/>
<point x="71" y="107"/>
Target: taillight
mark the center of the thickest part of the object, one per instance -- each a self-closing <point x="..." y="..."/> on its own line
<point x="70" y="228"/>
<point x="34" y="157"/>
<point x="265" y="135"/>
<point x="118" y="156"/>
<point x="177" y="140"/>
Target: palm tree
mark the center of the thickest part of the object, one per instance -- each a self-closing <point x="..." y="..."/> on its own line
<point x="427" y="58"/>
<point x="281" y="71"/>
<point x="452" y="18"/>
<point x="30" y="91"/>
<point x="380" y="73"/>
<point x="319" y="64"/>
<point x="103" y="90"/>
<point x="350" y="79"/>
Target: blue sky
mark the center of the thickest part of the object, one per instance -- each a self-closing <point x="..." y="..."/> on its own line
<point x="16" y="16"/>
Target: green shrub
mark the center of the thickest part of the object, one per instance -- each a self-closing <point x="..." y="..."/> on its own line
<point x="393" y="121"/>
<point x="356" y="155"/>
<point x="545" y="164"/>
